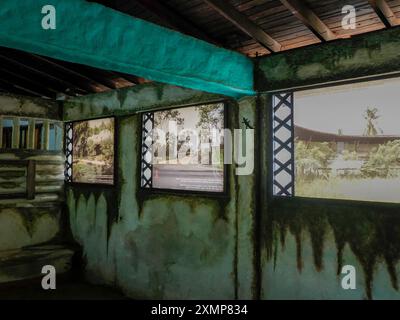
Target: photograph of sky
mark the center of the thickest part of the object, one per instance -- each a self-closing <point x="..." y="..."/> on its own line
<point x="342" y="107"/>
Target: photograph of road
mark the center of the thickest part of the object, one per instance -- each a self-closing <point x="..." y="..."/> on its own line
<point x="188" y="154"/>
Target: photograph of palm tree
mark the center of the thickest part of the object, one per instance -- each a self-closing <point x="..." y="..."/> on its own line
<point x="347" y="142"/>
<point x="93" y="151"/>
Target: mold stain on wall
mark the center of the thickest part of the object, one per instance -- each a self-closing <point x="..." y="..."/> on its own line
<point x="38" y="222"/>
<point x="309" y="231"/>
<point x="153" y="241"/>
<point x="373" y="235"/>
<point x="318" y="236"/>
<point x="163" y="246"/>
<point x="370" y="54"/>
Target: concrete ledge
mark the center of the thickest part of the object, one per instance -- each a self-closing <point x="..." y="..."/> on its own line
<point x="27" y="263"/>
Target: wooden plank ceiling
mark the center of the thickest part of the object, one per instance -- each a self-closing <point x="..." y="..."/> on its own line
<point x="252" y="27"/>
<point x="259" y="27"/>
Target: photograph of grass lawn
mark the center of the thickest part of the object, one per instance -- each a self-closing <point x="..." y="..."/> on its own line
<point x="93" y="151"/>
<point x="347" y="142"/>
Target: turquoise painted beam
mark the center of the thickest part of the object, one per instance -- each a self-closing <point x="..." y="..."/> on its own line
<point x="91" y="34"/>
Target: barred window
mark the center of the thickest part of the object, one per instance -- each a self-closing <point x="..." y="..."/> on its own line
<point x="30" y="134"/>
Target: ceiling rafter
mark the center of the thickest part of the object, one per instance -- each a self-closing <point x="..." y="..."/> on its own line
<point x="8" y="87"/>
<point x="131" y="78"/>
<point x="92" y="85"/>
<point x="245" y="24"/>
<point x="50" y="80"/>
<point x="59" y="77"/>
<point x="108" y="79"/>
<point x="385" y="13"/>
<point x="310" y="19"/>
<point x="26" y="83"/>
<point x="56" y="69"/>
<point x="167" y="15"/>
<point x="174" y="20"/>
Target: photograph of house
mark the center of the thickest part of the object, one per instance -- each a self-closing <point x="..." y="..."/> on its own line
<point x="345" y="149"/>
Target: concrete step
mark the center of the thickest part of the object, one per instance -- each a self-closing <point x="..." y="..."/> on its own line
<point x="27" y="263"/>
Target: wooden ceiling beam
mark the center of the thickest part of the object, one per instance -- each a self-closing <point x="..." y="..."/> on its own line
<point x="108" y="79"/>
<point x="8" y="87"/>
<point x="310" y="19"/>
<point x="169" y="17"/>
<point x="47" y="74"/>
<point x="23" y="82"/>
<point x="385" y="13"/>
<point x="22" y="67"/>
<point x="102" y="79"/>
<point x="174" y="20"/>
<point x="245" y="24"/>
<point x="131" y="78"/>
<point x="80" y="78"/>
<point x="56" y="69"/>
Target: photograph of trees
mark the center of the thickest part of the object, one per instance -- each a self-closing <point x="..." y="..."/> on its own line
<point x="189" y="157"/>
<point x="93" y="151"/>
<point x="347" y="143"/>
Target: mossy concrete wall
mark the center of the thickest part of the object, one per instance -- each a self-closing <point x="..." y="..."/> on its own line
<point x="26" y="222"/>
<point x="173" y="246"/>
<point x="370" y="54"/>
<point x="162" y="246"/>
<point x="305" y="243"/>
<point x="23" y="106"/>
